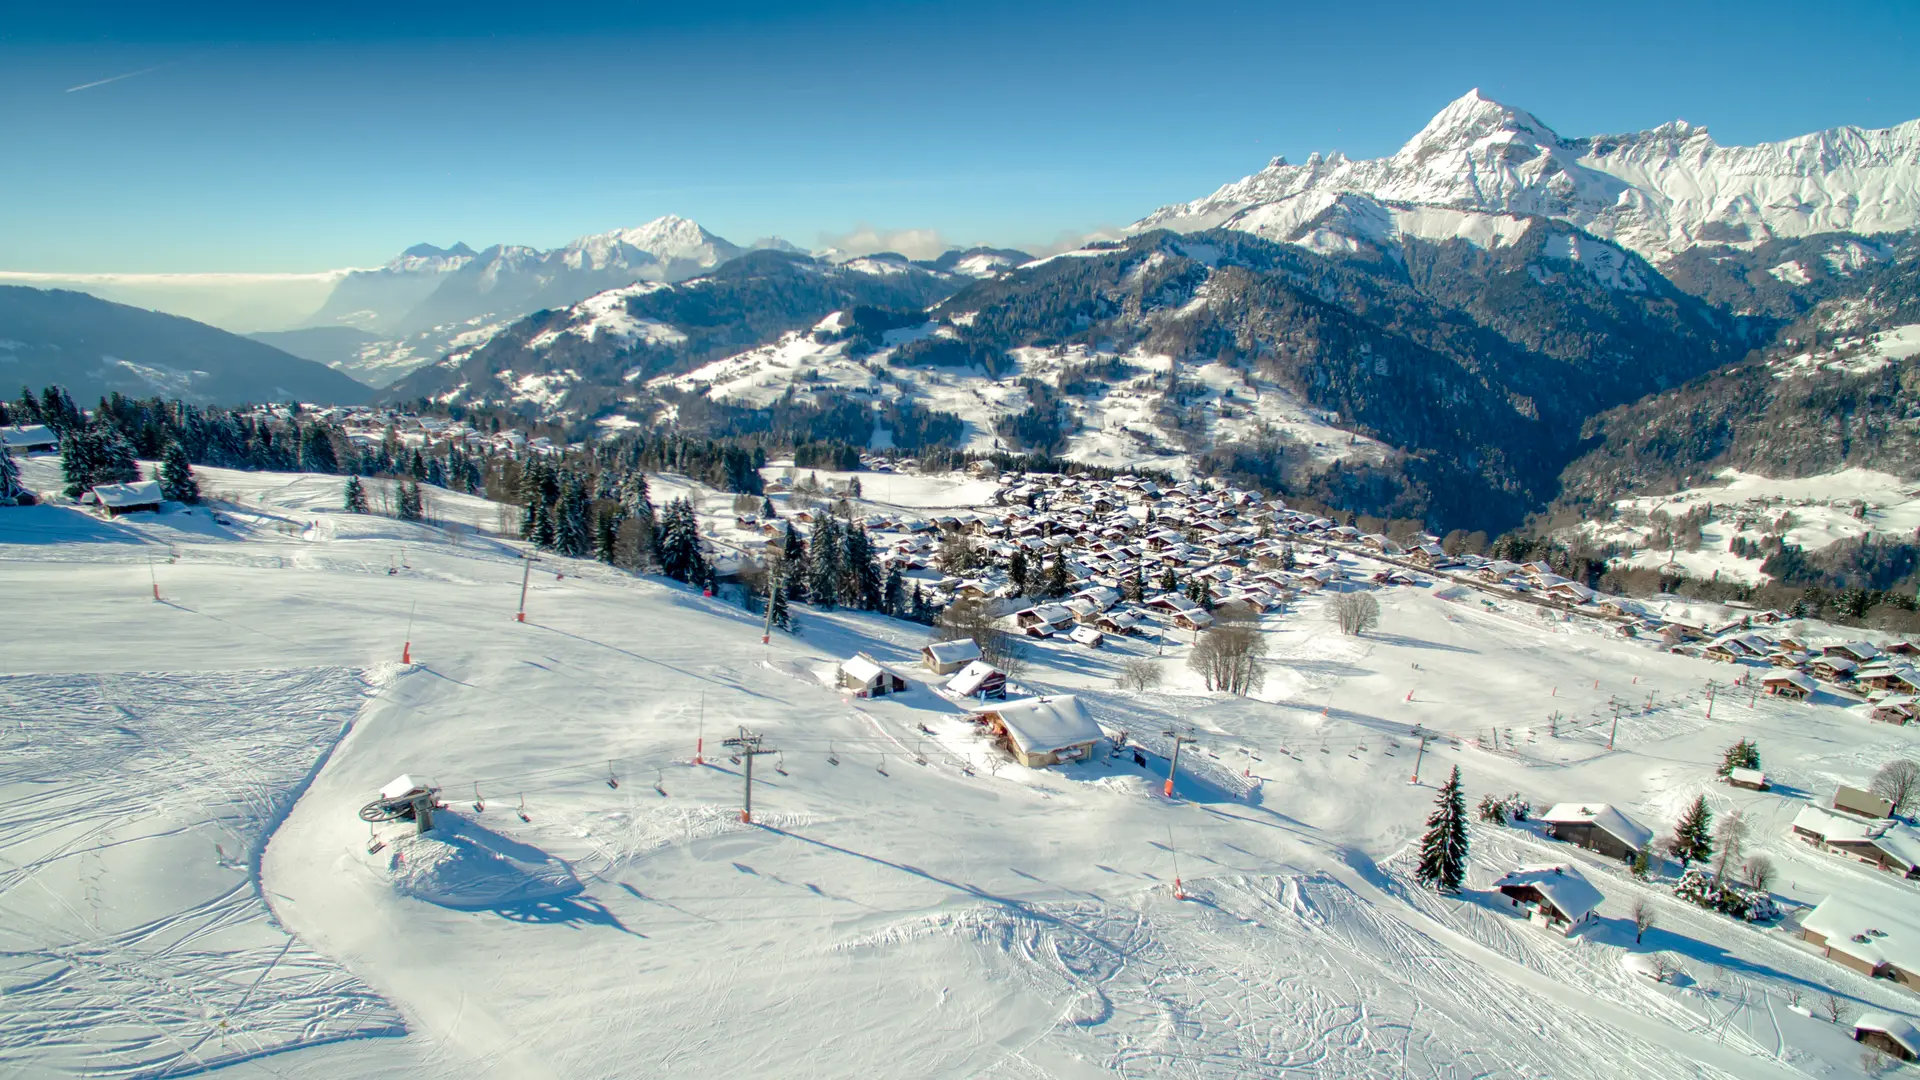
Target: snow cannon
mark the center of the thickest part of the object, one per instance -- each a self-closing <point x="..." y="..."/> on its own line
<point x="404" y="800"/>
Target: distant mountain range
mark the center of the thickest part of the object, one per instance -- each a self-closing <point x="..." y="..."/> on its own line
<point x="95" y="347"/>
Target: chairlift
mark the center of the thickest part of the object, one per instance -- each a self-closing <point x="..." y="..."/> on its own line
<point x="832" y="758"/>
<point x="374" y="843"/>
<point x="523" y="810"/>
<point x="660" y="783"/>
<point x="735" y="759"/>
<point x="780" y="763"/>
<point x="883" y="765"/>
<point x="919" y="756"/>
<point x="479" y="804"/>
<point x="612" y="780"/>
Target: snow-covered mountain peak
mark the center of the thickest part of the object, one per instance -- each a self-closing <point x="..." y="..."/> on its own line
<point x="1474" y="118"/>
<point x="1656" y="192"/>
<point x="428" y="259"/>
<point x="664" y="239"/>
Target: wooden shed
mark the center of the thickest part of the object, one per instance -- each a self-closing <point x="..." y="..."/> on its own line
<point x="1889" y="1035"/>
<point x="1596" y="827"/>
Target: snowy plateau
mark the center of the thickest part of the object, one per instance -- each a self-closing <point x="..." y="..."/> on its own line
<point x="196" y="702"/>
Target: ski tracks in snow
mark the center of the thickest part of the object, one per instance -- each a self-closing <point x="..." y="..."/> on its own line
<point x="134" y="938"/>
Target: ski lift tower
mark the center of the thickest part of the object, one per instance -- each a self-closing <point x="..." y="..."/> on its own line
<point x="404" y="800"/>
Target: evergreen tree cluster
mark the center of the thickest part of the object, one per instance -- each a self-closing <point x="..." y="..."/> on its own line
<point x="1744" y="754"/>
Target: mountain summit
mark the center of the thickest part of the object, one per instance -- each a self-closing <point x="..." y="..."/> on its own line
<point x="1657" y="192"/>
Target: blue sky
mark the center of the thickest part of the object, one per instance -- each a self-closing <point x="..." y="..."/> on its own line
<point x="256" y="140"/>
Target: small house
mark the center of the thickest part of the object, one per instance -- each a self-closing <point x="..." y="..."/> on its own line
<point x="1888" y="1034"/>
<point x="117" y="499"/>
<point x="947" y="657"/>
<point x="1832" y="668"/>
<point x="1788" y="684"/>
<point x="1043" y="731"/>
<point x="1049" y="616"/>
<point x="979" y="679"/>
<point x="1118" y="622"/>
<point x="1088" y="636"/>
<point x="1556" y="896"/>
<point x="1868" y="941"/>
<point x="1865" y="803"/>
<point x="869" y="678"/>
<point x="1596" y="827"/>
<point x="1751" y="779"/>
<point x="27" y="439"/>
<point x="1897" y="710"/>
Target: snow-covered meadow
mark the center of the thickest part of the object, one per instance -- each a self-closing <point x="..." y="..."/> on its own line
<point x="185" y="884"/>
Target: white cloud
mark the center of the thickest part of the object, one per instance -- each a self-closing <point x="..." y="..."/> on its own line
<point x="1070" y="240"/>
<point x="865" y="239"/>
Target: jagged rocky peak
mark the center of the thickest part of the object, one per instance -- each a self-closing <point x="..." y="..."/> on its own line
<point x="1474" y="118"/>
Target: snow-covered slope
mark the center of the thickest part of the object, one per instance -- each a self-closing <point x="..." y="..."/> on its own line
<point x="187" y="885"/>
<point x="1656" y="192"/>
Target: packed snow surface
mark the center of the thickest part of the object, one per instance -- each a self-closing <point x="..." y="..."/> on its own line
<point x="186" y="883"/>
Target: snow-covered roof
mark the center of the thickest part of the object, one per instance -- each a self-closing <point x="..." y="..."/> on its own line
<point x="969" y="679"/>
<point x="1862" y="932"/>
<point x="1619" y="825"/>
<point x="1836" y="828"/>
<point x="1562" y="885"/>
<point x="1747" y="776"/>
<point x="1894" y="1027"/>
<point x="1794" y="678"/>
<point x="27" y="436"/>
<point x="1038" y="725"/>
<point x="865" y="668"/>
<point x="958" y="651"/>
<point x="139" y="493"/>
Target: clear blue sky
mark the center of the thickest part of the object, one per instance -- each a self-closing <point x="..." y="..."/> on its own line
<point x="254" y="139"/>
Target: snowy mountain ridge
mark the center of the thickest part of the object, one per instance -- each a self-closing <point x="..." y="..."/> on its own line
<point x="1655" y="192"/>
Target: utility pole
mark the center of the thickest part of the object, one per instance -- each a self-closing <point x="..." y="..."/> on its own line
<point x="526" y="571"/>
<point x="1418" y="758"/>
<point x="1173" y="766"/>
<point x="1616" y="725"/>
<point x="747" y="745"/>
<point x="1710" y="689"/>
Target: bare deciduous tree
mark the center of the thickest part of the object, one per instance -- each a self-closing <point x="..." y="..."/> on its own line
<point x="1139" y="674"/>
<point x="974" y="619"/>
<point x="1834" y="1007"/>
<point x="1898" y="782"/>
<point x="1759" y="872"/>
<point x="1354" y="612"/>
<point x="1228" y="658"/>
<point x="1642" y="919"/>
<point x="1730" y="841"/>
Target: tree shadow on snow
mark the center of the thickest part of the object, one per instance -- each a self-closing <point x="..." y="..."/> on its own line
<point x="64" y="525"/>
<point x="1405" y="642"/>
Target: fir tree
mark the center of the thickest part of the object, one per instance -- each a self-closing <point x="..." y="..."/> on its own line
<point x="680" y="557"/>
<point x="1169" y="583"/>
<point x="823" y="563"/>
<point x="1136" y="589"/>
<point x="10" y="488"/>
<point x="418" y="468"/>
<point x="436" y="473"/>
<point x="1741" y="755"/>
<point x="793" y="563"/>
<point x="890" y="592"/>
<point x="356" y="496"/>
<point x="411" y="507"/>
<point x="606" y="536"/>
<point x="1057" y="583"/>
<point x="93" y="455"/>
<point x="1693" y="836"/>
<point x="1443" y="851"/>
<point x="1017" y="570"/>
<point x="177" y="481"/>
<point x="316" y="450"/>
<point x="782" y="613"/>
<point x="767" y="512"/>
<point x="917" y="605"/>
<point x="573" y="526"/>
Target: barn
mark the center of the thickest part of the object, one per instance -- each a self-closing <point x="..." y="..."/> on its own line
<point x="1556" y="896"/>
<point x="1043" y="731"/>
<point x="1596" y="827"/>
<point x="868" y="677"/>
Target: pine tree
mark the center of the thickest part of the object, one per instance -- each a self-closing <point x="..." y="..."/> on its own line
<point x="412" y="504"/>
<point x="1136" y="590"/>
<point x="782" y="613"/>
<point x="823" y="563"/>
<point x="1741" y="755"/>
<point x="1443" y="851"/>
<point x="573" y="526"/>
<point x="1693" y="836"/>
<point x="1017" y="570"/>
<point x="529" y="499"/>
<point x="92" y="455"/>
<point x="436" y="473"/>
<point x="356" y="496"/>
<point x="767" y="512"/>
<point x="418" y="468"/>
<point x="793" y="563"/>
<point x="316" y="450"/>
<point x="10" y="488"/>
<point x="177" y="481"/>
<point x="890" y="592"/>
<point x="606" y="536"/>
<point x="1057" y="583"/>
<point x="1169" y="583"/>
<point x="680" y="556"/>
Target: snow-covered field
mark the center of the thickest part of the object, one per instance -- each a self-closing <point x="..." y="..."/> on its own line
<point x="185" y="885"/>
<point x="1809" y="512"/>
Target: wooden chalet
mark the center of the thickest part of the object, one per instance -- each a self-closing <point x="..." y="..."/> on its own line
<point x="979" y="679"/>
<point x="1788" y="684"/>
<point x="1890" y="1035"/>
<point x="1556" y="896"/>
<point x="947" y="657"/>
<point x="1042" y="731"/>
<point x="1596" y="827"/>
<point x="869" y="678"/>
<point x="1870" y="942"/>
